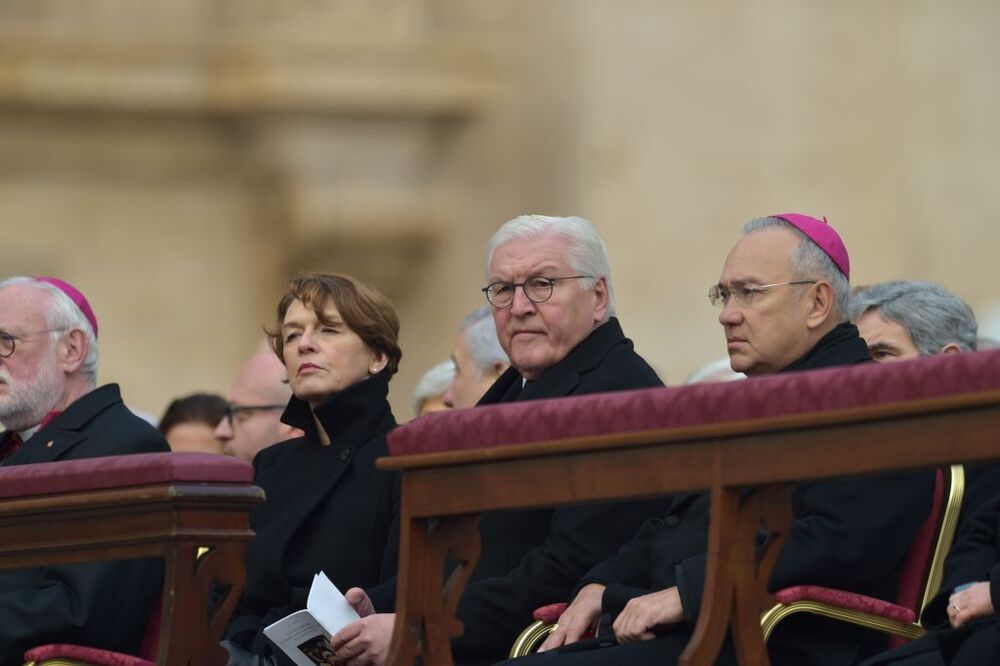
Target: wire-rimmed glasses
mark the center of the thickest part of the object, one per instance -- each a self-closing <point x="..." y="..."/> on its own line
<point x="743" y="292"/>
<point x="537" y="289"/>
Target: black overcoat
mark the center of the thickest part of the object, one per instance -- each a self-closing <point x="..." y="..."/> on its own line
<point x="849" y="534"/>
<point x="532" y="558"/>
<point x="99" y="604"/>
<point x="326" y="509"/>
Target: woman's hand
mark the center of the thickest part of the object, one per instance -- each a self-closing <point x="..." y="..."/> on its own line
<point x="969" y="603"/>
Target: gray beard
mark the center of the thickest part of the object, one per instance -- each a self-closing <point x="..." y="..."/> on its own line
<point x="26" y="404"/>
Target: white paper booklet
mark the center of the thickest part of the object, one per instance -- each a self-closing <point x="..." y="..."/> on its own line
<point x="304" y="635"/>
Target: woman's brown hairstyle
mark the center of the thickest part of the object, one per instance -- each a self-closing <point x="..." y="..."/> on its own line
<point x="364" y="309"/>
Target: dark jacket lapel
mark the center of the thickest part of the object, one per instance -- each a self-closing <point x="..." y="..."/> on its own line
<point x="564" y="377"/>
<point x="505" y="389"/>
<point x="66" y="430"/>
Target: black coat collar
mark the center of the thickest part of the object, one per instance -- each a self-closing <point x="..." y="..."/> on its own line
<point x="349" y="417"/>
<point x="841" y="346"/>
<point x="563" y="377"/>
<point x="66" y="430"/>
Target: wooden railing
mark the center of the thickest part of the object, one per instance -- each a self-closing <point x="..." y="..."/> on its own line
<point x="443" y="493"/>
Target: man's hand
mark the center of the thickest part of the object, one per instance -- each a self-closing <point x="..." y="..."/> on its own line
<point x="365" y="642"/>
<point x="360" y="602"/>
<point x="579" y="617"/>
<point x="968" y="604"/>
<point x="642" y="614"/>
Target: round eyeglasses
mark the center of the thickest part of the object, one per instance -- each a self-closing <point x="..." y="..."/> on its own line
<point x="9" y="342"/>
<point x="744" y="293"/>
<point x="537" y="289"/>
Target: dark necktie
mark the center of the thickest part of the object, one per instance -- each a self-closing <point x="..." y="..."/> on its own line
<point x="524" y="388"/>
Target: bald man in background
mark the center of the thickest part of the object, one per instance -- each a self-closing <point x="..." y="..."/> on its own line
<point x="257" y="398"/>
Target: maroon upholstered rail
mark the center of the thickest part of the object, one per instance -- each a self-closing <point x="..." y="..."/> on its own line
<point x="804" y="393"/>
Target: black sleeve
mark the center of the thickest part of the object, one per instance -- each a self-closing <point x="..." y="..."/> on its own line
<point x="631" y="565"/>
<point x="495" y="610"/>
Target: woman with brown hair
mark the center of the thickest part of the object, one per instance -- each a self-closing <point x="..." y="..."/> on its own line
<point x="327" y="508"/>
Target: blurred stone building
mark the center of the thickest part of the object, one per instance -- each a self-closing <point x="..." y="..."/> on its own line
<point x="179" y="160"/>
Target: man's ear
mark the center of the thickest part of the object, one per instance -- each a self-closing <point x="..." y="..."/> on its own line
<point x="601" y="300"/>
<point x="820" y="304"/>
<point x="950" y="348"/>
<point x="72" y="350"/>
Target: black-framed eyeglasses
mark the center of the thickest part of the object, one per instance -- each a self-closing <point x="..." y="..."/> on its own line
<point x="744" y="293"/>
<point x="537" y="289"/>
<point x="8" y="341"/>
<point x="233" y="411"/>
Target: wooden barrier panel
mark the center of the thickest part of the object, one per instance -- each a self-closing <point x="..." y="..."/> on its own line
<point x="185" y="505"/>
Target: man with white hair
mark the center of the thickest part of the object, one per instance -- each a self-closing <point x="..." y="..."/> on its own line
<point x="549" y="286"/>
<point x="478" y="357"/>
<point x="257" y="398"/>
<point x="52" y="410"/>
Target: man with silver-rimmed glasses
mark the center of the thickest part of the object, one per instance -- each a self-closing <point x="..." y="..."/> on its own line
<point x="549" y="286"/>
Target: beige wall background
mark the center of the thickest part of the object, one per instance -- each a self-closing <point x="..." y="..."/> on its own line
<point x="179" y="160"/>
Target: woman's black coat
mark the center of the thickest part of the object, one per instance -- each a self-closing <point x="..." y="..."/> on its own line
<point x="327" y="509"/>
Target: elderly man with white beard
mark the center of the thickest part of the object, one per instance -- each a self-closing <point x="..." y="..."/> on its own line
<point x="53" y="410"/>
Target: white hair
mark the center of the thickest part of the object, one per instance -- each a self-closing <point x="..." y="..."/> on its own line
<point x="482" y="342"/>
<point x="809" y="261"/>
<point x="62" y="315"/>
<point x="588" y="255"/>
<point x="433" y="384"/>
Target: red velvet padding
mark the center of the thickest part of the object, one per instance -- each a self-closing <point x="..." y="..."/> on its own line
<point x="848" y="600"/>
<point x="549" y="614"/>
<point x="911" y="578"/>
<point x="700" y="404"/>
<point x="121" y="471"/>
<point x="150" y="644"/>
<point x="84" y="654"/>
